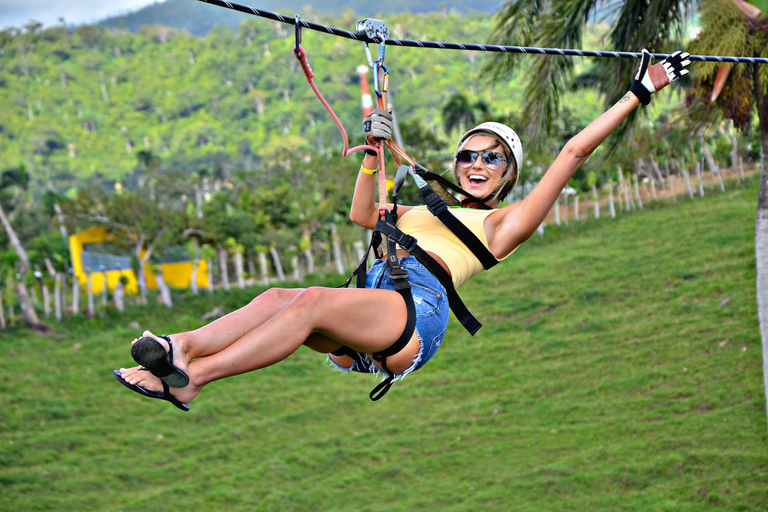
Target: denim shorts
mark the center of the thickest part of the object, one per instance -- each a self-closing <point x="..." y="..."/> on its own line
<point x="432" y="310"/>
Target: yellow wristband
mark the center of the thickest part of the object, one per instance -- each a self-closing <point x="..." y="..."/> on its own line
<point x="366" y="170"/>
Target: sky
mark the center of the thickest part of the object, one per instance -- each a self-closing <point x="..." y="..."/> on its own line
<point x="17" y="13"/>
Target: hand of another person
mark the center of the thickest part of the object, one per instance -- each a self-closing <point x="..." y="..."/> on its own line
<point x="653" y="78"/>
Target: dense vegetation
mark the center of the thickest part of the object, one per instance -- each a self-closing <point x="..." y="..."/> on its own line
<point x="82" y="104"/>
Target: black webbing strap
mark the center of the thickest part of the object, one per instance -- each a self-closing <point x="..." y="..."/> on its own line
<point x="439" y="209"/>
<point x="383" y="387"/>
<point x="409" y="243"/>
<point x="429" y="175"/>
<point x="399" y="279"/>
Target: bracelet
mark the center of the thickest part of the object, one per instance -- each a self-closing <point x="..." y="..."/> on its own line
<point x="371" y="152"/>
<point x="366" y="170"/>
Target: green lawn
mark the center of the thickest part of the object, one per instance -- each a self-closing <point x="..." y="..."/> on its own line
<point x="620" y="368"/>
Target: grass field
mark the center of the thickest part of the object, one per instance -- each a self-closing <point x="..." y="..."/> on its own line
<point x="619" y="370"/>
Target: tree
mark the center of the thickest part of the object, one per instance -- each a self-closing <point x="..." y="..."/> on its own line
<point x="19" y="178"/>
<point x="459" y="112"/>
<point x="151" y="164"/>
<point x="561" y="24"/>
<point x="742" y="28"/>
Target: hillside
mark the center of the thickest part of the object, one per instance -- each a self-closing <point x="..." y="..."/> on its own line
<point x="82" y="105"/>
<point x="200" y="18"/>
<point x="612" y="374"/>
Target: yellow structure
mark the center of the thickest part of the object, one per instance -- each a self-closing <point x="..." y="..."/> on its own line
<point x="175" y="275"/>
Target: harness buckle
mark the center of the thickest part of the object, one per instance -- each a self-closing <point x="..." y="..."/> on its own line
<point x="435" y="204"/>
<point x="399" y="278"/>
<point x="407" y="242"/>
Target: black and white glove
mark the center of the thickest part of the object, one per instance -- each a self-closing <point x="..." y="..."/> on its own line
<point x="650" y="79"/>
<point x="378" y="125"/>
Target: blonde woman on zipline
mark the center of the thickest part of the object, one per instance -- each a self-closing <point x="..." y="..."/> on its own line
<point x="357" y="327"/>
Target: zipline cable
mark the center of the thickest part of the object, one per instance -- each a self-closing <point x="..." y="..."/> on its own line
<point x="472" y="47"/>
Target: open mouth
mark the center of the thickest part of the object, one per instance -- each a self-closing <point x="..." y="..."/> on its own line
<point x="477" y="179"/>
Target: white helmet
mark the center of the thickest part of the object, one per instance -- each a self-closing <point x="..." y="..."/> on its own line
<point x="513" y="145"/>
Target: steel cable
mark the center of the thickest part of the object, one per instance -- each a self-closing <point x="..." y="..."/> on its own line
<point x="471" y="47"/>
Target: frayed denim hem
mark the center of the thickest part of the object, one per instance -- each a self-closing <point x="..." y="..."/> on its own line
<point x="370" y="367"/>
<point x="330" y="363"/>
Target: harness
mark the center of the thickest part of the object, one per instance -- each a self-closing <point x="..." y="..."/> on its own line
<point x="386" y="229"/>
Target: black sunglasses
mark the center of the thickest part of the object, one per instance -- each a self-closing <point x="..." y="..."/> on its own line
<point x="493" y="160"/>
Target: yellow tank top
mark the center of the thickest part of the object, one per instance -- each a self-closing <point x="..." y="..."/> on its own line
<point x="433" y="236"/>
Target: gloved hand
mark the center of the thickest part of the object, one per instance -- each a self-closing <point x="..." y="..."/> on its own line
<point x="378" y="125"/>
<point x="650" y="79"/>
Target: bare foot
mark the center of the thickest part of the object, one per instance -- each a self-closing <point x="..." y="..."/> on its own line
<point x="146" y="380"/>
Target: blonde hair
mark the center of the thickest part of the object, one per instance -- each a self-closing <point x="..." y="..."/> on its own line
<point x="508" y="178"/>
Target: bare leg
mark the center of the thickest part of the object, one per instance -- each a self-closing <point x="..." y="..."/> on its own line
<point x="224" y="331"/>
<point x="365" y="320"/>
<point x="221" y="333"/>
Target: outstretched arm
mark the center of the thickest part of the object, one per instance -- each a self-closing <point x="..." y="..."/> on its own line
<point x="515" y="223"/>
<point x="530" y="213"/>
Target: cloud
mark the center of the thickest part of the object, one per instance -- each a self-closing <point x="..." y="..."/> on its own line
<point x="17" y="13"/>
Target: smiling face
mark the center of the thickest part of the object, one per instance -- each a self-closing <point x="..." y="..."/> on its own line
<point x="479" y="166"/>
<point x="477" y="178"/>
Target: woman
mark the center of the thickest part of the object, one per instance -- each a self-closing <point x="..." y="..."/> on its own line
<point x="347" y="324"/>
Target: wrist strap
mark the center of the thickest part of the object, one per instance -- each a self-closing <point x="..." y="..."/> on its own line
<point x="639" y="90"/>
<point x="366" y="170"/>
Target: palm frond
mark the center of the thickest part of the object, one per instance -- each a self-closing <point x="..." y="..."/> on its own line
<point x="652" y="24"/>
<point x="556" y="24"/>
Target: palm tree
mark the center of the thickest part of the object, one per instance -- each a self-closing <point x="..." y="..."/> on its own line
<point x="742" y="27"/>
<point x="459" y="112"/>
<point x="733" y="27"/>
<point x="19" y="178"/>
<point x="560" y="24"/>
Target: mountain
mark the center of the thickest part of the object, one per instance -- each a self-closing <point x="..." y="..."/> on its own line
<point x="82" y="105"/>
<point x="199" y="18"/>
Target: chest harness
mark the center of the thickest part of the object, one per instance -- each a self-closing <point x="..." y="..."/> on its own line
<point x="386" y="230"/>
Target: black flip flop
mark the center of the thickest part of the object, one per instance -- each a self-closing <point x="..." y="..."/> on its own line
<point x="151" y="354"/>
<point x="165" y="395"/>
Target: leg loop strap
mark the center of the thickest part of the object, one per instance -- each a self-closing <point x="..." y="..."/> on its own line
<point x="382" y="388"/>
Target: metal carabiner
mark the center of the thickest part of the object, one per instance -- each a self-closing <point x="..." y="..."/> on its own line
<point x="301" y="55"/>
<point x="377" y="87"/>
<point x="385" y="81"/>
<point x="298" y="36"/>
<point x="368" y="55"/>
<point x="381" y="52"/>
